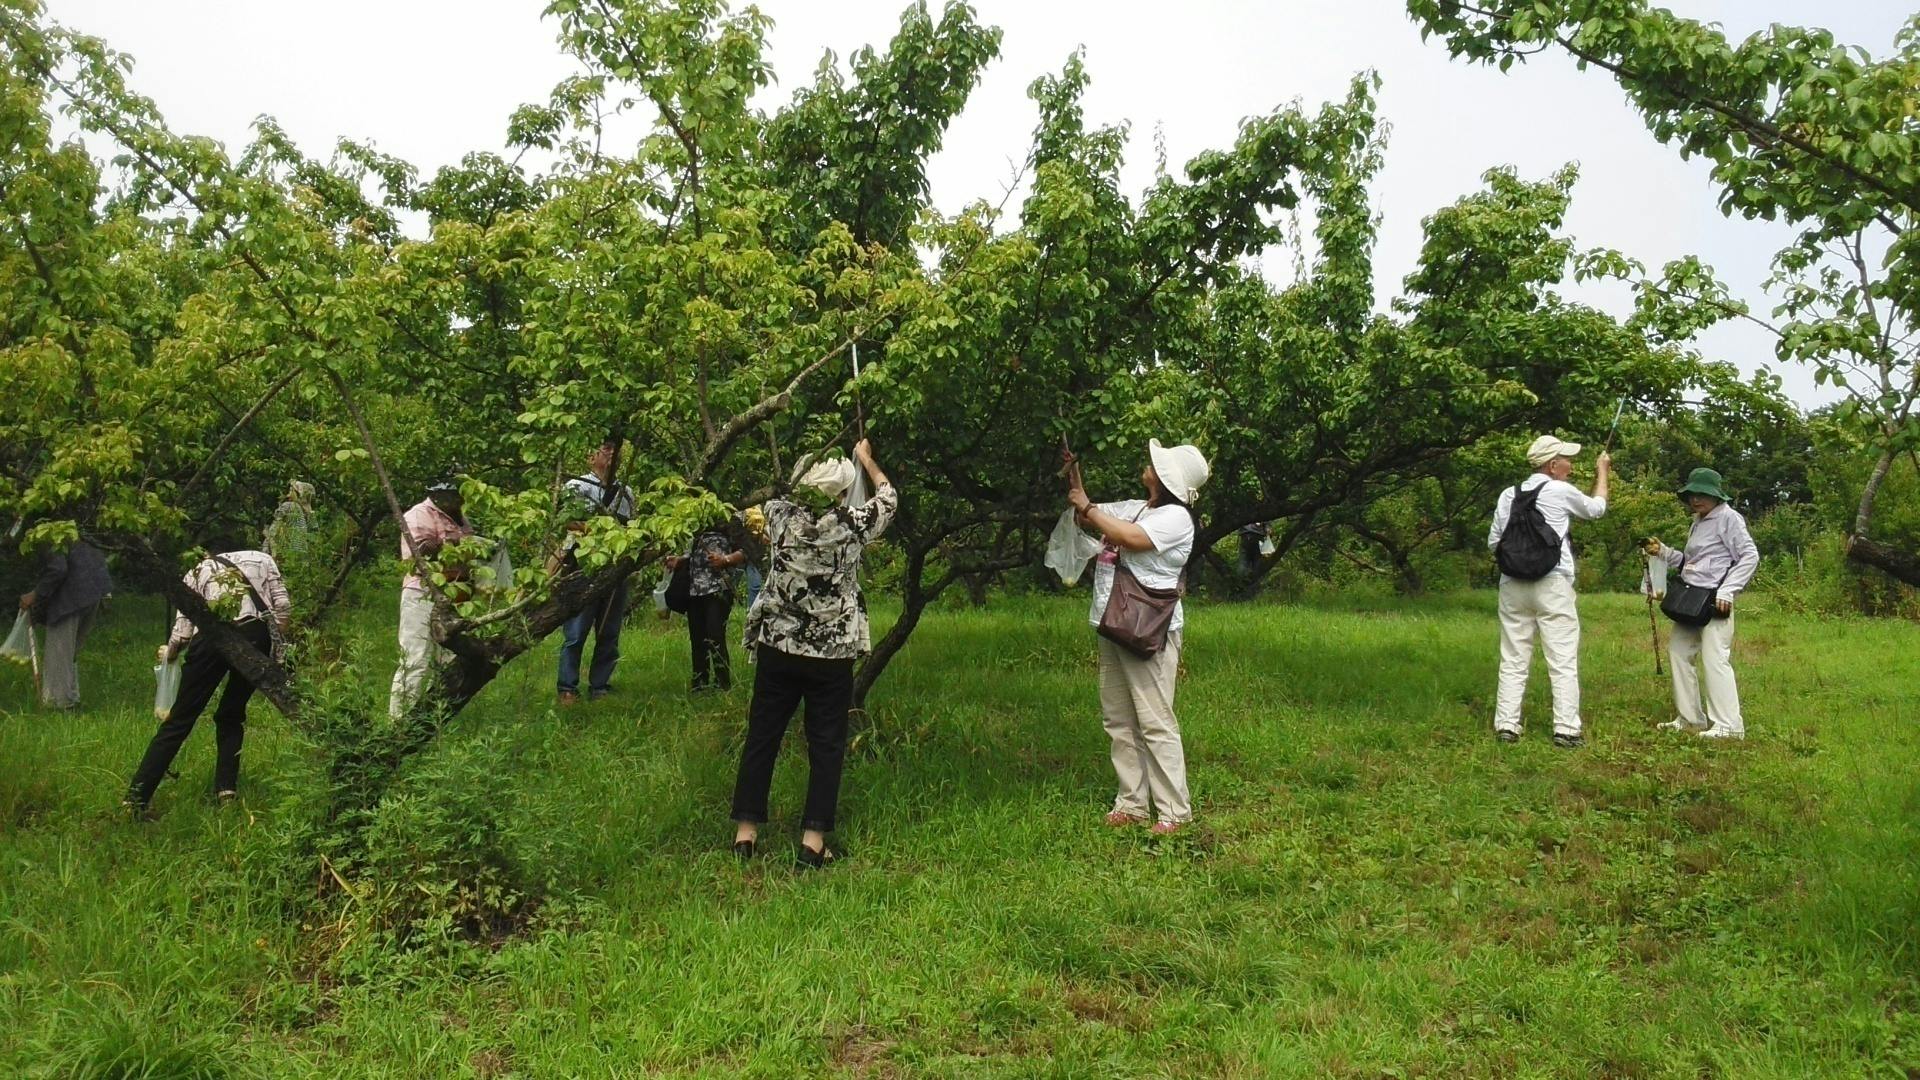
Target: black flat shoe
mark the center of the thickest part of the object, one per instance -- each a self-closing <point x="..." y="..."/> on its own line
<point x="744" y="849"/>
<point x="808" y="859"/>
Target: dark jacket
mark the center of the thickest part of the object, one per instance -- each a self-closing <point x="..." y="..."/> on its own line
<point x="70" y="582"/>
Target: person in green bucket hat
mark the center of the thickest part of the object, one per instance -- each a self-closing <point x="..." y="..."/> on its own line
<point x="1720" y="555"/>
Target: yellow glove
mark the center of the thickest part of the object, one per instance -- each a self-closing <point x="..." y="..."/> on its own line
<point x="1651" y="545"/>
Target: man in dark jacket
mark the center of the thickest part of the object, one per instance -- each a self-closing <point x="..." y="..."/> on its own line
<point x="71" y="585"/>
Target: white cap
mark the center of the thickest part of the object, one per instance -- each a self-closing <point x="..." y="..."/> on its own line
<point x="1181" y="469"/>
<point x="1547" y="447"/>
<point x="831" y="477"/>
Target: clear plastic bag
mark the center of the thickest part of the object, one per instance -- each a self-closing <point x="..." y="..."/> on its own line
<point x="1655" y="584"/>
<point x="499" y="567"/>
<point x="1068" y="549"/>
<point x="166" y="687"/>
<point x="660" y="595"/>
<point x="19" y="644"/>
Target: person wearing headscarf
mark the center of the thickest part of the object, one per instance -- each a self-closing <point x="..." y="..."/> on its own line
<point x="1153" y="539"/>
<point x="1720" y="555"/>
<point x="291" y="532"/>
<point x="805" y="632"/>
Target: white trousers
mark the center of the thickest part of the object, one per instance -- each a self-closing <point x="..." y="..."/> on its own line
<point x="1136" y="697"/>
<point x="418" y="652"/>
<point x="1713" y="645"/>
<point x="1546" y="609"/>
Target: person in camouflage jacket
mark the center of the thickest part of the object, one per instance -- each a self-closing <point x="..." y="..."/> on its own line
<point x="806" y="631"/>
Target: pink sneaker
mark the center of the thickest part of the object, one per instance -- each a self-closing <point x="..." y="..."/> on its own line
<point x="1120" y="819"/>
<point x="1167" y="828"/>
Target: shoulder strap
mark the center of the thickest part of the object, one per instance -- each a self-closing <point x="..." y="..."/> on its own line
<point x="259" y="605"/>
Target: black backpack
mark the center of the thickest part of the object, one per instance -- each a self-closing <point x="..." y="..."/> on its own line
<point x="1528" y="550"/>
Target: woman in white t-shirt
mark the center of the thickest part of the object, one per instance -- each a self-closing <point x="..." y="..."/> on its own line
<point x="1153" y="538"/>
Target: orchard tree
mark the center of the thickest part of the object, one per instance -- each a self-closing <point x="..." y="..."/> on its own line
<point x="1031" y="331"/>
<point x="1800" y="129"/>
<point x="1314" y="406"/>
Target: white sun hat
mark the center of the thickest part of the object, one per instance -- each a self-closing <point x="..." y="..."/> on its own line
<point x="1547" y="447"/>
<point x="1181" y="469"/>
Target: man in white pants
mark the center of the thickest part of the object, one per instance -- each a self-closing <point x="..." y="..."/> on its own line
<point x="1546" y="607"/>
<point x="433" y="523"/>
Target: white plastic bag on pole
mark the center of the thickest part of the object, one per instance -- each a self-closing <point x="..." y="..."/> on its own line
<point x="166" y="687"/>
<point x="1068" y="549"/>
<point x="660" y="595"/>
<point x="1655" y="583"/>
<point x="19" y="644"/>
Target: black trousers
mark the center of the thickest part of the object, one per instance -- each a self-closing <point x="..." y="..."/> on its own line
<point x="201" y="676"/>
<point x="781" y="681"/>
<point x="707" y="625"/>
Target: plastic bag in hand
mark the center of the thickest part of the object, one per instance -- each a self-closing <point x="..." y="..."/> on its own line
<point x="19" y="644"/>
<point x="166" y="687"/>
<point x="1068" y="549"/>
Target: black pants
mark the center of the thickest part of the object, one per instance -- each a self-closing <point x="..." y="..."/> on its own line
<point x="781" y="681"/>
<point x="201" y="676"/>
<point x="707" y="625"/>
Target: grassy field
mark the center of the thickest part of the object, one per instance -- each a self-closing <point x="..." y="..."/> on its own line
<point x="1374" y="887"/>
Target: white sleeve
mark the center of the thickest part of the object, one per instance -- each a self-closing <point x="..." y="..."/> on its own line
<point x="1501" y="511"/>
<point x="1167" y="527"/>
<point x="1580" y="504"/>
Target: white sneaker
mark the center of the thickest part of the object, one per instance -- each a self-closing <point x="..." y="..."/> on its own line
<point x="1722" y="733"/>
<point x="1677" y="724"/>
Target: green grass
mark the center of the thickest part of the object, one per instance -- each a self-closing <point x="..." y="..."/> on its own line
<point x="1374" y="889"/>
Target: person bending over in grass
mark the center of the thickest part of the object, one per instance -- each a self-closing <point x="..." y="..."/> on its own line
<point x="1720" y="555"/>
<point x="1147" y="545"/>
<point x="808" y="627"/>
<point x="245" y="588"/>
<point x="1529" y="540"/>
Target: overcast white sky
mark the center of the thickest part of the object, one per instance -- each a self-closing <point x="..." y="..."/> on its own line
<point x="430" y="80"/>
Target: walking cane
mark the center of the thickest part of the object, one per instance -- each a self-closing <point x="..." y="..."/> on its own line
<point x="1653" y="624"/>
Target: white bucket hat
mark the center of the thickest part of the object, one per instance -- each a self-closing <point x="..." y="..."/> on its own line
<point x="831" y="477"/>
<point x="1547" y="447"/>
<point x="1181" y="469"/>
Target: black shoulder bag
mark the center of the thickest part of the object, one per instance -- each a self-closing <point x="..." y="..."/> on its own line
<point x="1693" y="605"/>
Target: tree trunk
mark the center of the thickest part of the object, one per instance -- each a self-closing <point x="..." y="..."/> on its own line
<point x="1901" y="565"/>
<point x="914" y="600"/>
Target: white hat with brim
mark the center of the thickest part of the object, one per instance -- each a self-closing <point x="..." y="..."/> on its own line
<point x="1182" y="469"/>
<point x="831" y="477"/>
<point x="1547" y="447"/>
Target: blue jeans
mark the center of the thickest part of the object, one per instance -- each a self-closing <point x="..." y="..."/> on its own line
<point x="754" y="580"/>
<point x="604" y="619"/>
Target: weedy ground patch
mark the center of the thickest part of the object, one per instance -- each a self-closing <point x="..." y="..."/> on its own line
<point x="1375" y="888"/>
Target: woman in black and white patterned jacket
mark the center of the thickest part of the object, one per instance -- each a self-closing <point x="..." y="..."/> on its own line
<point x="805" y="633"/>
